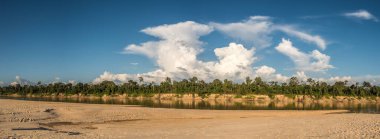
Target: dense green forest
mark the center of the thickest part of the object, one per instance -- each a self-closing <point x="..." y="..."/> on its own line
<point x="200" y="87"/>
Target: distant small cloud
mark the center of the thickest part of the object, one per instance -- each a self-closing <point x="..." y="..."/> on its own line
<point x="73" y="82"/>
<point x="21" y="81"/>
<point x="316" y="16"/>
<point x="373" y="79"/>
<point x="56" y="80"/>
<point x="134" y="63"/>
<point x="361" y="14"/>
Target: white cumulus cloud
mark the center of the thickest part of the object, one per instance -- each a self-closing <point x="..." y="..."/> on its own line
<point x="176" y="56"/>
<point x="265" y="71"/>
<point x="178" y="45"/>
<point x="233" y="60"/>
<point x="301" y="76"/>
<point x="314" y="61"/>
<point x="269" y="74"/>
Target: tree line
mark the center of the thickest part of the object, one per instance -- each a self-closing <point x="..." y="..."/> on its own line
<point x="195" y="86"/>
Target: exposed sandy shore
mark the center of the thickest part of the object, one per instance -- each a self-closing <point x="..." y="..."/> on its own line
<point x="32" y="119"/>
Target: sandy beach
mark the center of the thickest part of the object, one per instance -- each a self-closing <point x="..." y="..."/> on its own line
<point x="36" y="119"/>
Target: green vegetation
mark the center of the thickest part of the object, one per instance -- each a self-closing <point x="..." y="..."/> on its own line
<point x="194" y="86"/>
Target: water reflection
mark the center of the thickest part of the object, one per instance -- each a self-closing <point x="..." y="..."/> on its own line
<point x="369" y="107"/>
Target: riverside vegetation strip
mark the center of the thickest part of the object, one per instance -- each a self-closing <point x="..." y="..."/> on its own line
<point x="193" y="86"/>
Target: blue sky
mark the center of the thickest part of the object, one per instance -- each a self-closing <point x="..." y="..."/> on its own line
<point x="80" y="40"/>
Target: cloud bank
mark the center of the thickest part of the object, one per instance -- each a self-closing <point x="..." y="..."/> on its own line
<point x="22" y="82"/>
<point x="178" y="46"/>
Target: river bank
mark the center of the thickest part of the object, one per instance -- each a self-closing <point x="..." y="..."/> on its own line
<point x="219" y="97"/>
<point x="223" y="102"/>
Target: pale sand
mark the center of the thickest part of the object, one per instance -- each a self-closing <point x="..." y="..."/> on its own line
<point x="32" y="119"/>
